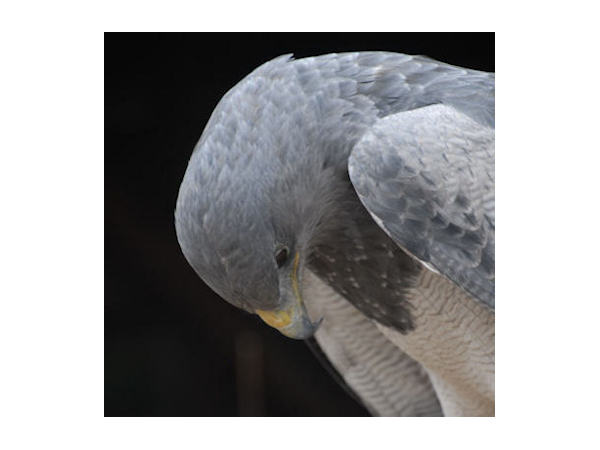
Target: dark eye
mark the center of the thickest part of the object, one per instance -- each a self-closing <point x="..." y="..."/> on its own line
<point x="281" y="256"/>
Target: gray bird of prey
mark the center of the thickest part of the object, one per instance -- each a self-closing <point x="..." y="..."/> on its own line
<point x="351" y="197"/>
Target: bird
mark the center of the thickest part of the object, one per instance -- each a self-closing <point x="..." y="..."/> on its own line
<point x="348" y="199"/>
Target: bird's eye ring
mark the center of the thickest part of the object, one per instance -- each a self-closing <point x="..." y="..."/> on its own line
<point x="281" y="256"/>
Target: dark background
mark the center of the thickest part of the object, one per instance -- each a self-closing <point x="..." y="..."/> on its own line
<point x="172" y="347"/>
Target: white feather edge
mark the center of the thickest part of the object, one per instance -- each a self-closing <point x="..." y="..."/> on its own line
<point x="423" y="263"/>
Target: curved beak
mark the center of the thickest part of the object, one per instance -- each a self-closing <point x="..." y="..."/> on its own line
<point x="291" y="319"/>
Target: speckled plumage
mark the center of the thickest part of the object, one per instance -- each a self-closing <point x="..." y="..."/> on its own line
<point x="271" y="170"/>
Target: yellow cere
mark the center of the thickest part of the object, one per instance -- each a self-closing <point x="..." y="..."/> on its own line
<point x="276" y="319"/>
<point x="280" y="319"/>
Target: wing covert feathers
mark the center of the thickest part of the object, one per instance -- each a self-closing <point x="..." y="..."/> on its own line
<point x="427" y="178"/>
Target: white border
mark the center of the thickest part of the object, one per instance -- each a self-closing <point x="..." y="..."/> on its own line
<point x="52" y="197"/>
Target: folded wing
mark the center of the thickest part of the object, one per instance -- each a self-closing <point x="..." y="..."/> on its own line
<point x="426" y="176"/>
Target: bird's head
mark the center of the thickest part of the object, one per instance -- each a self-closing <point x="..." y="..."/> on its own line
<point x="251" y="201"/>
<point x="248" y="247"/>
